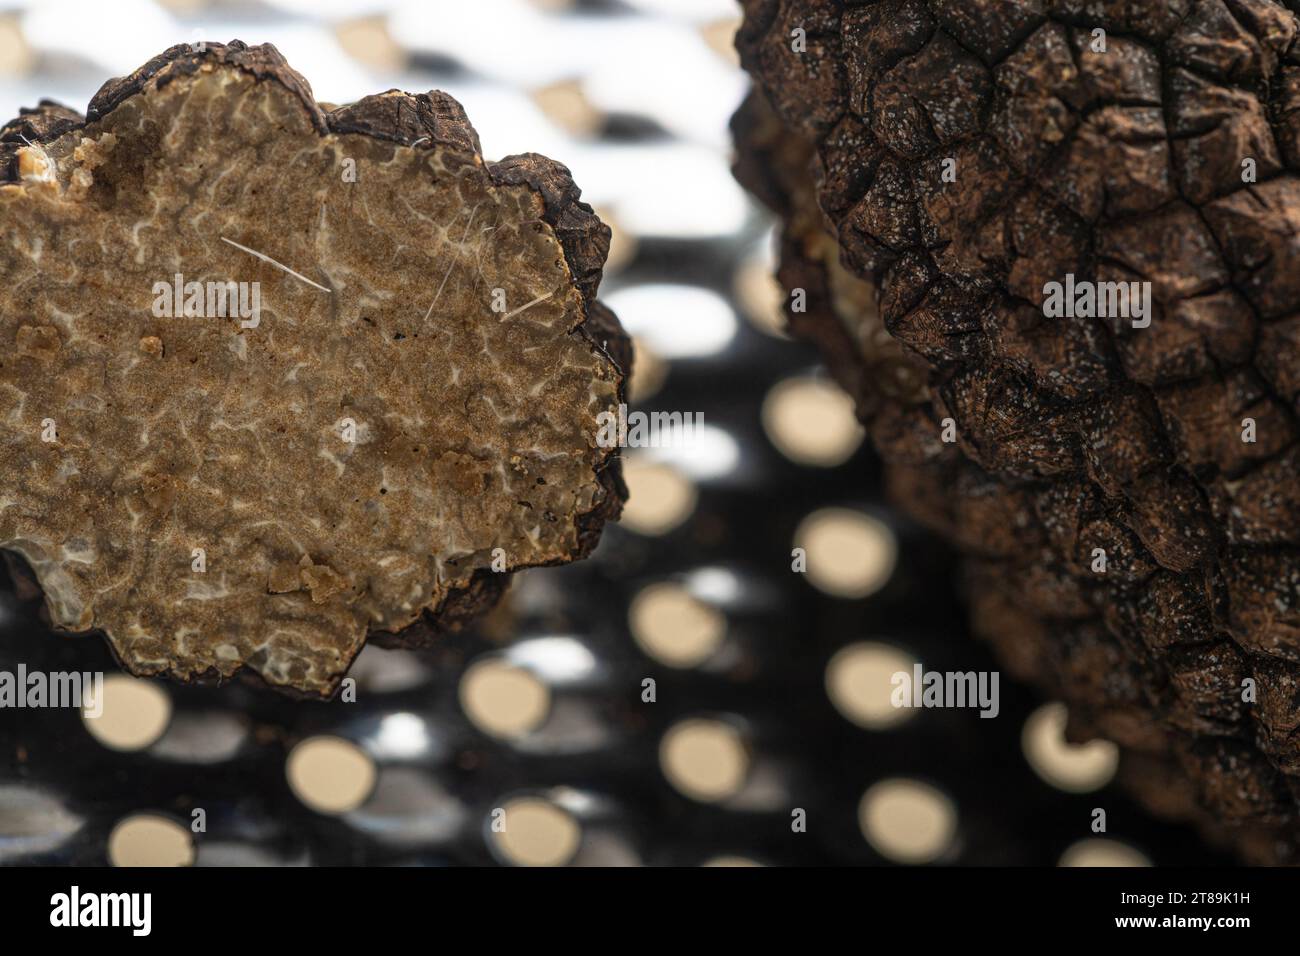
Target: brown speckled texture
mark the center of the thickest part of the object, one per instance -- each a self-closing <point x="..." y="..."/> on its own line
<point x="473" y="428"/>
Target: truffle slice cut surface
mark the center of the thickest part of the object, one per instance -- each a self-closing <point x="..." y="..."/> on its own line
<point x="272" y="379"/>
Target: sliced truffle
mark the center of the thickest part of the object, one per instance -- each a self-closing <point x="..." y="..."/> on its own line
<point x="274" y="378"/>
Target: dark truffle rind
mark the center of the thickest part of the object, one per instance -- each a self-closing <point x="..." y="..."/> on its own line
<point x="1122" y="163"/>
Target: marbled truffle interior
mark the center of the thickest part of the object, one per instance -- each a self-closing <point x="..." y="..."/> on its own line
<point x="346" y="458"/>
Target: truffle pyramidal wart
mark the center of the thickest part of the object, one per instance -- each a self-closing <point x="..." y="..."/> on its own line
<point x="275" y="378"/>
<point x="1051" y="250"/>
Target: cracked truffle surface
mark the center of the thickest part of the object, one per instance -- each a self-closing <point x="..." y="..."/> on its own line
<point x="410" y="380"/>
<point x="1143" y="141"/>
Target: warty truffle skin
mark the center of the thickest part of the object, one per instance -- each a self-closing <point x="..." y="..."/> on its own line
<point x="407" y="415"/>
<point x="937" y="165"/>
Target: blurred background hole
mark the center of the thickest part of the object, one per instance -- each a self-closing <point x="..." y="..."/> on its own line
<point x="706" y="760"/>
<point x="908" y="821"/>
<point x="811" y="422"/>
<point x="859" y="683"/>
<point x="761" y="297"/>
<point x="330" y="775"/>
<point x="503" y="700"/>
<point x="660" y="497"/>
<point x="1096" y="851"/>
<point x="566" y="105"/>
<point x="16" y="57"/>
<point x="673" y="627"/>
<point x="850" y="554"/>
<point x="1076" y="768"/>
<point x="537" y="833"/>
<point x="148" y="839"/>
<point x="134" y="715"/>
<point x="623" y="244"/>
<point x="720" y="35"/>
<point x="648" y="373"/>
<point x="368" y="40"/>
